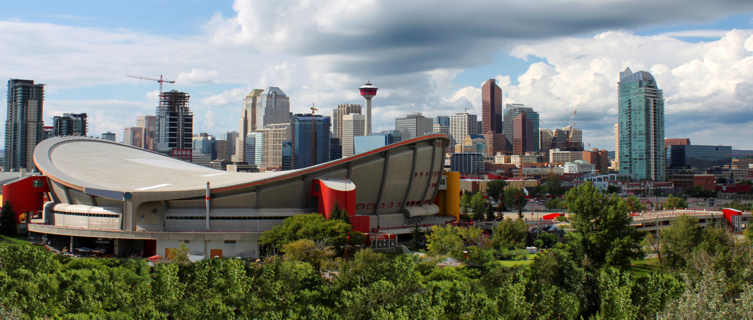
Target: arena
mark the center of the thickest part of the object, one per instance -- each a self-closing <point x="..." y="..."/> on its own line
<point x="136" y="202"/>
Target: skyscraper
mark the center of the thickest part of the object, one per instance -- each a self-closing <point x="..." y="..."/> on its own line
<point x="309" y="137"/>
<point x="174" y="125"/>
<point x="354" y="124"/>
<point x="491" y="114"/>
<point x="276" y="106"/>
<point x="134" y="136"/>
<point x="149" y="123"/>
<point x="441" y="125"/>
<point x="461" y="125"/>
<point x="413" y="125"/>
<point x="641" y="126"/>
<point x="617" y="145"/>
<point x="250" y="121"/>
<point x="523" y="139"/>
<point x="23" y="124"/>
<point x="274" y="136"/>
<point x="70" y="124"/>
<point x="337" y="117"/>
<point x="512" y="110"/>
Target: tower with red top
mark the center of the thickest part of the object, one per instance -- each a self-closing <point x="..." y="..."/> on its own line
<point x="368" y="91"/>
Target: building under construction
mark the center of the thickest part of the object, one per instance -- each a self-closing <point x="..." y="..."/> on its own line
<point x="174" y="125"/>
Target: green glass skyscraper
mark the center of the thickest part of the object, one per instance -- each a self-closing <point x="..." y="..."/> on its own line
<point x="641" y="126"/>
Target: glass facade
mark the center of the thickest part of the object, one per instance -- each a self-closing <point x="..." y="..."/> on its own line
<point x="23" y="124"/>
<point x="310" y="137"/>
<point x="512" y="110"/>
<point x="699" y="156"/>
<point x="641" y="126"/>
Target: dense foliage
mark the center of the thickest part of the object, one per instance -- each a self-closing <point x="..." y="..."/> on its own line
<point x="594" y="272"/>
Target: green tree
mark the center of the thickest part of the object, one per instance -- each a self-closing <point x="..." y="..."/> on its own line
<point x="679" y="239"/>
<point x="603" y="234"/>
<point x="673" y="202"/>
<point x="510" y="234"/>
<point x="445" y="240"/>
<point x="7" y="220"/>
<point x="465" y="202"/>
<point x="308" y="251"/>
<point x="309" y="226"/>
<point x="478" y="206"/>
<point x="496" y="189"/>
<point x="516" y="198"/>
<point x="634" y="204"/>
<point x="553" y="186"/>
<point x="339" y="213"/>
<point x="179" y="255"/>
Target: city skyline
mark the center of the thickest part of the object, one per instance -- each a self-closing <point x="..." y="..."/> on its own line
<point x="699" y="65"/>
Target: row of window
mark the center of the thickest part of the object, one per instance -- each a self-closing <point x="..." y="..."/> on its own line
<point x="98" y="215"/>
<point x="221" y="218"/>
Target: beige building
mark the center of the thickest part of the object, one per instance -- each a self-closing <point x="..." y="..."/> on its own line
<point x="560" y="157"/>
<point x="274" y="136"/>
<point x="354" y="124"/>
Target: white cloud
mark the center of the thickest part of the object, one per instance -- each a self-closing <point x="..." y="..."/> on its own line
<point x="196" y="76"/>
<point x="707" y="85"/>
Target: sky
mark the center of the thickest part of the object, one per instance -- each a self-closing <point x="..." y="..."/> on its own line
<point x="560" y="57"/>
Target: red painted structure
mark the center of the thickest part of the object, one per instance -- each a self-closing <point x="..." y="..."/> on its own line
<point x="552" y="216"/>
<point x="26" y="195"/>
<point x="340" y="193"/>
<point x="729" y="213"/>
<point x="368" y="90"/>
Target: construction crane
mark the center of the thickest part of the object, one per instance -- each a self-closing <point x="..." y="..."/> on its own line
<point x="161" y="80"/>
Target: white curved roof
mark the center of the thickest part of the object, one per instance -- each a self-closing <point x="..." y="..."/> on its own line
<point x="102" y="164"/>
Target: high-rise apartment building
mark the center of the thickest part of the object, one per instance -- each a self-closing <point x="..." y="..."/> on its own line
<point x="512" y="110"/>
<point x="251" y="117"/>
<point x="276" y="106"/>
<point x="23" y="124"/>
<point x="274" y="136"/>
<point x="461" y="125"/>
<point x="174" y="125"/>
<point x="149" y="123"/>
<point x="598" y="158"/>
<point x="309" y="137"/>
<point x="491" y="107"/>
<point x="641" y="125"/>
<point x="70" y="124"/>
<point x="109" y="136"/>
<point x="337" y="117"/>
<point x="414" y="125"/>
<point x="354" y="124"/>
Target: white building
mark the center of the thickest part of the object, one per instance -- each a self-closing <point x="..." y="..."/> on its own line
<point x="461" y="125"/>
<point x="579" y="166"/>
<point x="354" y="124"/>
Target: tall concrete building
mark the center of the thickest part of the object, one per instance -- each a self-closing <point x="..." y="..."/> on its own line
<point x="512" y="110"/>
<point x="354" y="124"/>
<point x="149" y="123"/>
<point x="641" y="125"/>
<point x="174" y="125"/>
<point x="617" y="145"/>
<point x="255" y="148"/>
<point x="461" y="125"/>
<point x="134" y="136"/>
<point x="414" y="125"/>
<point x="276" y="106"/>
<point x="491" y="107"/>
<point x="337" y="117"/>
<point x="23" y="124"/>
<point x="232" y="139"/>
<point x="309" y="137"/>
<point x="70" y="124"/>
<point x="251" y="117"/>
<point x="274" y="136"/>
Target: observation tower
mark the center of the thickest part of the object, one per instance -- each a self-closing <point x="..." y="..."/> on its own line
<point x="368" y="91"/>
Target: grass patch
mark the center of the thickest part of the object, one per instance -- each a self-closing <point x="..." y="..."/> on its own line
<point x="646" y="266"/>
<point x="515" y="263"/>
<point x="13" y="241"/>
